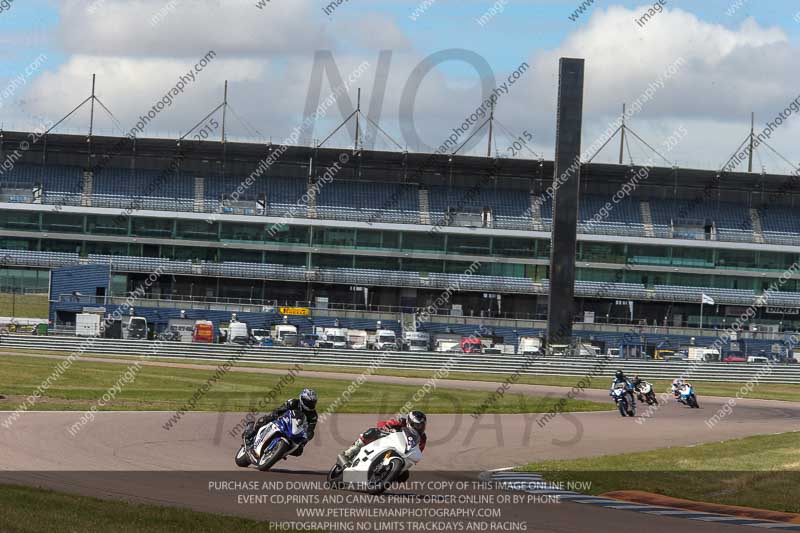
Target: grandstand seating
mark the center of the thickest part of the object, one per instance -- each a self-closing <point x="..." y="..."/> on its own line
<point x="343" y="199"/>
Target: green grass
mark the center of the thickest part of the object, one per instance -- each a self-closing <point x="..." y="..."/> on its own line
<point x="24" y="305"/>
<point x="761" y="472"/>
<point x="764" y="391"/>
<point x="163" y="388"/>
<point x="29" y="510"/>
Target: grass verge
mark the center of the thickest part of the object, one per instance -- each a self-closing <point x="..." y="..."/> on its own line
<point x="29" y="510"/>
<point x="164" y="388"/>
<point x="764" y="391"/>
<point x="761" y="472"/>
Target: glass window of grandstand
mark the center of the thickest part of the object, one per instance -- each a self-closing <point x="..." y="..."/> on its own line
<point x="775" y="260"/>
<point x="693" y="257"/>
<point x="24" y="279"/>
<point x="648" y="255"/>
<point x="10" y="243"/>
<point x="332" y="261"/>
<point x="106" y="225"/>
<point x="287" y="234"/>
<point x="19" y="220"/>
<point x="334" y="237"/>
<point x="284" y="258"/>
<point x="153" y="227"/>
<point x="62" y="222"/>
<point x="198" y="230"/>
<point x="734" y="282"/>
<point x="510" y="247"/>
<point x="543" y="249"/>
<point x="378" y="263"/>
<point x="376" y="239"/>
<point x="736" y="259"/>
<point x="423" y="265"/>
<point x="106" y="248"/>
<point x="460" y="244"/>
<point x="53" y="245"/>
<point x="189" y="253"/>
<point x="601" y="252"/>
<point x="241" y="256"/>
<point x="232" y="231"/>
<point x="423" y="241"/>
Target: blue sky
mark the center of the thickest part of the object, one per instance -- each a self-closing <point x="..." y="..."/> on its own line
<point x="748" y="66"/>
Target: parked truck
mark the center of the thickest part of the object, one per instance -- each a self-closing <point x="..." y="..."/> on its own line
<point x="471" y="345"/>
<point x="87" y="325"/>
<point x="183" y="327"/>
<point x="337" y="337"/>
<point x="134" y="328"/>
<point x="238" y="332"/>
<point x="530" y="345"/>
<point x="416" y="341"/>
<point x="357" y="339"/>
<point x="203" y="331"/>
<point x="385" y="339"/>
<point x="698" y="353"/>
<point x="446" y="342"/>
<point x="284" y="335"/>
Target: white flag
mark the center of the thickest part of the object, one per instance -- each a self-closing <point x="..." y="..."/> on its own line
<point x="707" y="299"/>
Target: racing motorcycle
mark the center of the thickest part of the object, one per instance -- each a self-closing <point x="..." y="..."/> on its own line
<point x="686" y="396"/>
<point x="620" y="394"/>
<point x="379" y="463"/>
<point x="273" y="442"/>
<point x="645" y="393"/>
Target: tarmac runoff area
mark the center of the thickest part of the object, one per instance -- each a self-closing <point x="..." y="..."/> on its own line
<point x="128" y="455"/>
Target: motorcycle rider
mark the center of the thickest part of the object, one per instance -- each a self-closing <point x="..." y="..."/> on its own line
<point x="677" y="383"/>
<point x="416" y="421"/>
<point x="620" y="377"/>
<point x="305" y="404"/>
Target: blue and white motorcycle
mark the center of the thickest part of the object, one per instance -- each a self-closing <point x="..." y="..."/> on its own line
<point x="273" y="442"/>
<point x="623" y="398"/>
<point x="686" y="396"/>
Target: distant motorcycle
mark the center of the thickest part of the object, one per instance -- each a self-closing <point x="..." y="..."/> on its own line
<point x="645" y="393"/>
<point x="686" y="396"/>
<point x="273" y="442"/>
<point x="621" y="396"/>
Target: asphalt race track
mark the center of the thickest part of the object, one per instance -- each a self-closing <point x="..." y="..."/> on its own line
<point x="130" y="455"/>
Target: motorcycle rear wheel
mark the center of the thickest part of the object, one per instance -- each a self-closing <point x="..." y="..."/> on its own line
<point x="268" y="459"/>
<point x="622" y="409"/>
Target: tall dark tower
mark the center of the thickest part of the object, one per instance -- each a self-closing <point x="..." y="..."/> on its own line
<point x="566" y="182"/>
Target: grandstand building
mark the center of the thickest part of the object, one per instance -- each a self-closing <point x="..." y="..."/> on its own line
<point x="389" y="232"/>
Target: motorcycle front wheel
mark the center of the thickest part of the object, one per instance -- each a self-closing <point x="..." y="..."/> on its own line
<point x="242" y="459"/>
<point x="380" y="477"/>
<point x="335" y="475"/>
<point x="269" y="458"/>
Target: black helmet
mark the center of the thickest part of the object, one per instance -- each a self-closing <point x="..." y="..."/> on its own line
<point x="308" y="399"/>
<point x="416" y="420"/>
<point x="619" y="374"/>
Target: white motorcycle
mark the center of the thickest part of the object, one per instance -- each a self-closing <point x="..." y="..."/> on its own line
<point x="379" y="463"/>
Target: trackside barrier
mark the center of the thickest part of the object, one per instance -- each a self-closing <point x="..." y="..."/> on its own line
<point x="468" y="363"/>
